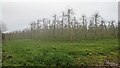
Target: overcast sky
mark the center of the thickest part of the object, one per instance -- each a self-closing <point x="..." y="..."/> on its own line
<point x="18" y="15"/>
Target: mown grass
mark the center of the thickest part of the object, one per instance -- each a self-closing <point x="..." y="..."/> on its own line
<point x="42" y="53"/>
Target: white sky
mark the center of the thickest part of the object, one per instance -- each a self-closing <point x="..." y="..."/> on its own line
<point x="18" y="14"/>
<point x="59" y="0"/>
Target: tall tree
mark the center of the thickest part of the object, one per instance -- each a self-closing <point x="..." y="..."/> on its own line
<point x="54" y="24"/>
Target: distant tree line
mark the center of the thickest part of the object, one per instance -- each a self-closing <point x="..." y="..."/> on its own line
<point x="68" y="27"/>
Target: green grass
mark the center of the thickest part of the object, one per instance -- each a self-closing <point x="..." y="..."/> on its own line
<point x="42" y="53"/>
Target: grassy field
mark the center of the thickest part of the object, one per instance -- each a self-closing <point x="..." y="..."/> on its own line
<point x="40" y="53"/>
